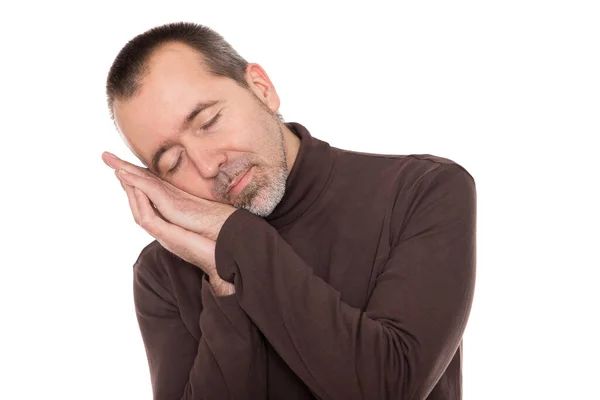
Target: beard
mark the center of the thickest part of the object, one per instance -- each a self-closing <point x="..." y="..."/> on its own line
<point x="264" y="192"/>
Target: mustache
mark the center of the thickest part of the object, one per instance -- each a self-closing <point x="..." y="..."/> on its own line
<point x="228" y="174"/>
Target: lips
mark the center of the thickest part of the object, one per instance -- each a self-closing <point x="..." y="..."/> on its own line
<point x="237" y="180"/>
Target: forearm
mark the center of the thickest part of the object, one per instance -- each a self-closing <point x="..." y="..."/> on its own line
<point x="227" y="360"/>
<point x="334" y="349"/>
<point x="231" y="360"/>
<point x="401" y="342"/>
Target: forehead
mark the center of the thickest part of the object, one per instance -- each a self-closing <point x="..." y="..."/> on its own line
<point x="173" y="69"/>
<point x="175" y="81"/>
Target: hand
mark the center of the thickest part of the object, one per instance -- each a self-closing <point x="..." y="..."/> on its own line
<point x="190" y="246"/>
<point x="193" y="213"/>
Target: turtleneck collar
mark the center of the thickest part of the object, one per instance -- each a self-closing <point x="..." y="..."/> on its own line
<point x="307" y="178"/>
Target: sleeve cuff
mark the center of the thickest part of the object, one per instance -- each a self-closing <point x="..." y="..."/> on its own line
<point x="226" y="306"/>
<point x="224" y="248"/>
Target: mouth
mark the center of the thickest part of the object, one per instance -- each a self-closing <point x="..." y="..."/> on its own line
<point x="232" y="188"/>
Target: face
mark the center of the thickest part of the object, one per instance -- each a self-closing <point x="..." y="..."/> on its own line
<point x="206" y="134"/>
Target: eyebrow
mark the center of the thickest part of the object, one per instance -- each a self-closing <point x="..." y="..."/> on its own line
<point x="201" y="106"/>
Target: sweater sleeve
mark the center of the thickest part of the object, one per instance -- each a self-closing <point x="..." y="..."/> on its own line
<point x="223" y="364"/>
<point x="400" y="344"/>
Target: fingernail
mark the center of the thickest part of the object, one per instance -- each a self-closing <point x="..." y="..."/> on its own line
<point x="107" y="158"/>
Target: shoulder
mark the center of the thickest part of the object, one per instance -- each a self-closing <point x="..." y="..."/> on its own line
<point x="434" y="193"/>
<point x="428" y="171"/>
<point x="440" y="181"/>
<point x="153" y="259"/>
<point x="155" y="267"/>
<point x="419" y="190"/>
<point x="163" y="281"/>
<point x="400" y="171"/>
<point x="156" y="264"/>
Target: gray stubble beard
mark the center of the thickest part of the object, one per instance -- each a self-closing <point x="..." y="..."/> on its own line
<point x="264" y="193"/>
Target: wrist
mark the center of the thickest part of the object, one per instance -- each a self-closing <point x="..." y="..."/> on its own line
<point x="219" y="286"/>
<point x="213" y="228"/>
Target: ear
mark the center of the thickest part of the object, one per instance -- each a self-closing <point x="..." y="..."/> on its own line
<point x="261" y="85"/>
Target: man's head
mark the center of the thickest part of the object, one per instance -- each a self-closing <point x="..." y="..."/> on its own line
<point x="199" y="116"/>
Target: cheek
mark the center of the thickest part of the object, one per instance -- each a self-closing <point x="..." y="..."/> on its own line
<point x="191" y="183"/>
<point x="251" y="126"/>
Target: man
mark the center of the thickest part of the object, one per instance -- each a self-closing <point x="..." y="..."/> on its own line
<point x="283" y="268"/>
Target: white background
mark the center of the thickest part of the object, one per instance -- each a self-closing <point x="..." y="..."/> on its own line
<point x="508" y="89"/>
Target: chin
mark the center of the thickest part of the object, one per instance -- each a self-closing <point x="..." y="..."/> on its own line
<point x="260" y="208"/>
<point x="261" y="196"/>
<point x="265" y="201"/>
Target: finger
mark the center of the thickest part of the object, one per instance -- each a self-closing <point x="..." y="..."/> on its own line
<point x="189" y="246"/>
<point x="133" y="204"/>
<point x="151" y="187"/>
<point x="145" y="206"/>
<point x="116" y="163"/>
<point x="149" y="220"/>
<point x="120" y="180"/>
<point x="168" y="205"/>
<point x="180" y="208"/>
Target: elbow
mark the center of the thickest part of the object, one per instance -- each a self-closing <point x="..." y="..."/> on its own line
<point x="407" y="368"/>
<point x="388" y="368"/>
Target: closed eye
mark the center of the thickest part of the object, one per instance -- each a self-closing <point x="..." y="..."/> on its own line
<point x="204" y="127"/>
<point x="212" y="121"/>
<point x="177" y="164"/>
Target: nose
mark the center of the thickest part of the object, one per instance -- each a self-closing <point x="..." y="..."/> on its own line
<point x="207" y="161"/>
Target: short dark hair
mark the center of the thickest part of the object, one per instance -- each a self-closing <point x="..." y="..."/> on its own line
<point x="131" y="63"/>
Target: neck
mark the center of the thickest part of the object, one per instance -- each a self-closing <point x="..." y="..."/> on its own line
<point x="291" y="143"/>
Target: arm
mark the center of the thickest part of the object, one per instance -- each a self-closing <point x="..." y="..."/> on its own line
<point x="226" y="359"/>
<point x="399" y="346"/>
<point x="223" y="364"/>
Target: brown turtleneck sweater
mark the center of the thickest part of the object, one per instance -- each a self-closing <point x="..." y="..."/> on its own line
<point x="357" y="286"/>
